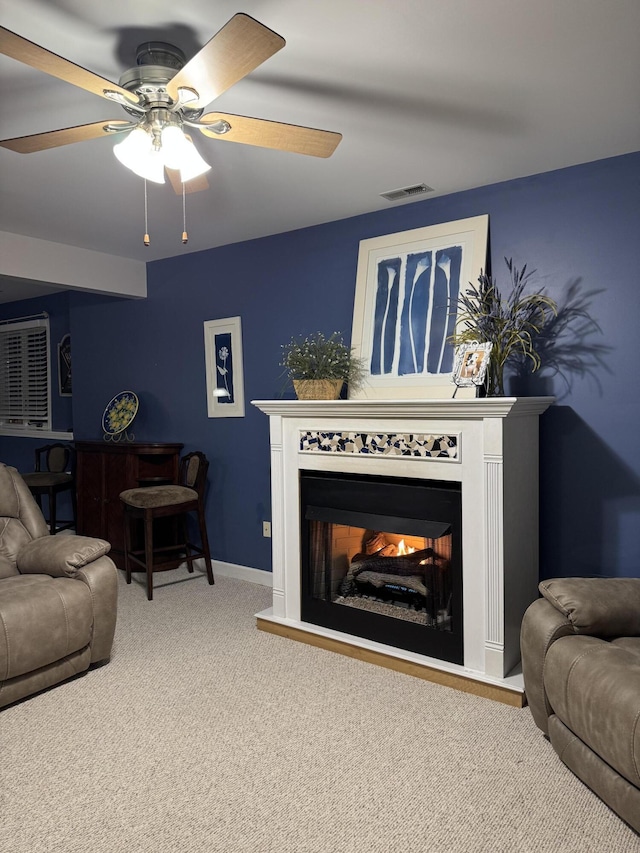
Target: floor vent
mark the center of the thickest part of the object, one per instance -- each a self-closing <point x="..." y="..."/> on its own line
<point x="407" y="192"/>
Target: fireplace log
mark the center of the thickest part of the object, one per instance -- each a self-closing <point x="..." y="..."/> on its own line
<point x="379" y="580"/>
<point x="404" y="566"/>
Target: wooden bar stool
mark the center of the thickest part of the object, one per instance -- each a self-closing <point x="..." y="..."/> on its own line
<point x="154" y="502"/>
<point x="54" y="473"/>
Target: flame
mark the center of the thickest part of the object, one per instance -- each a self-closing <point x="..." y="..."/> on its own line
<point x="403" y="549"/>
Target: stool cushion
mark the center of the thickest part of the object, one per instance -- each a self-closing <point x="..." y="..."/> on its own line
<point x="157" y="496"/>
<point x="44" y="479"/>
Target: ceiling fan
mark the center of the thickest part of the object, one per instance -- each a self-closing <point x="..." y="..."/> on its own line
<point x="163" y="95"/>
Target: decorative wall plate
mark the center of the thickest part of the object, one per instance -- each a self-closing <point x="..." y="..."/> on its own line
<point x="120" y="412"/>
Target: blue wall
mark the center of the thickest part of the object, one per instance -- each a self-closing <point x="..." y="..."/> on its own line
<point x="577" y="226"/>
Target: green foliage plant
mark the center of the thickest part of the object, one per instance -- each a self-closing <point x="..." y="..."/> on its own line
<point x="511" y="324"/>
<point x="319" y="357"/>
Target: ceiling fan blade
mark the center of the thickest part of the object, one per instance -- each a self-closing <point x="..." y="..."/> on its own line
<point x="38" y="57"/>
<point x="195" y="185"/>
<point x="235" y="50"/>
<point x="273" y="134"/>
<point x="56" y="138"/>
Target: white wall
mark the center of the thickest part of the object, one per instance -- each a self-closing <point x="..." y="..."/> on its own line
<point x="77" y="269"/>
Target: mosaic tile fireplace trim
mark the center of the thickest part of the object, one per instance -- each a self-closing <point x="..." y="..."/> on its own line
<point x="408" y="445"/>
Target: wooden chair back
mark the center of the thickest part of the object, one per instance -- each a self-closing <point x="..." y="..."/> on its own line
<point x="193" y="472"/>
<point x="58" y="458"/>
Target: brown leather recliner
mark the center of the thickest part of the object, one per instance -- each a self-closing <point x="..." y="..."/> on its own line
<point x="58" y="597"/>
<point x="581" y="666"/>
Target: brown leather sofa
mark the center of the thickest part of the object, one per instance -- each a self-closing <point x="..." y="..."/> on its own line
<point x="58" y="597"/>
<point x="581" y="666"/>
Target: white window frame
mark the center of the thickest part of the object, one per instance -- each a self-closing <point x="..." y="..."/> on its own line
<point x="25" y="376"/>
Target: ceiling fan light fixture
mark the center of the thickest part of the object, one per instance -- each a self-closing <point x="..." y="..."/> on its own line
<point x="136" y="153"/>
<point x="179" y="152"/>
<point x="174" y="146"/>
<point x="193" y="164"/>
<point x="151" y="168"/>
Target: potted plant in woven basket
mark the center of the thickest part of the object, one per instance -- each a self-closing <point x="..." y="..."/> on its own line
<point x="319" y="366"/>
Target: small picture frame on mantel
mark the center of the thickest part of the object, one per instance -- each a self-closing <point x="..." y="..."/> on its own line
<point x="470" y="365"/>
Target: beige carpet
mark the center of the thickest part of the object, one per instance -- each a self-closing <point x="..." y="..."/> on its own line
<point x="204" y="734"/>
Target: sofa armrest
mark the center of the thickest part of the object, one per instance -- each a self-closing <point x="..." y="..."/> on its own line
<point x="101" y="576"/>
<point x="60" y="556"/>
<point x="600" y="607"/>
<point x="542" y="625"/>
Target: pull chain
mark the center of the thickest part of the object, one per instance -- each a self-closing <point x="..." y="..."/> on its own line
<point x="185" y="236"/>
<point x="146" y="239"/>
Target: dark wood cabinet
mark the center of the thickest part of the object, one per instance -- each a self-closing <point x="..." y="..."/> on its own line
<point x="104" y="470"/>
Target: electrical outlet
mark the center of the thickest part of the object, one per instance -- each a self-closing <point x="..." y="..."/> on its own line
<point x="266" y="528"/>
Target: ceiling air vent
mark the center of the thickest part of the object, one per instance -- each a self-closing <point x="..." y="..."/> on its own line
<point x="407" y="192"/>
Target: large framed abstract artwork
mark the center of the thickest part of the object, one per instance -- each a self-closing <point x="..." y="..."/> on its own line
<point x="223" y="356"/>
<point x="407" y="289"/>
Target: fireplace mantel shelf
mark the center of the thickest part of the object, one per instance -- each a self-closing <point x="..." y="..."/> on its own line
<point x="473" y="409"/>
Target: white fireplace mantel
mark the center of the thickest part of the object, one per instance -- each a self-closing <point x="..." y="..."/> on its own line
<point x="471" y="409"/>
<point x="491" y="449"/>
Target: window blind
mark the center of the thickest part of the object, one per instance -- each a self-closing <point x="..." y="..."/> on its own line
<point x="25" y="375"/>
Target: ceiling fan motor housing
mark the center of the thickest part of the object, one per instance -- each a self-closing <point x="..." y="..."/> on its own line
<point x="160" y="53"/>
<point x="157" y="63"/>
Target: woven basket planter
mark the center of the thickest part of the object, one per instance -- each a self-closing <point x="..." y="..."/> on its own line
<point x="318" y="389"/>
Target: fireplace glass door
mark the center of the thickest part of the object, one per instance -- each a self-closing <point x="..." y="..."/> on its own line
<point x="381" y="559"/>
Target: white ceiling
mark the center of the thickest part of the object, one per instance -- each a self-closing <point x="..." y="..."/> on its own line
<point x="456" y="94"/>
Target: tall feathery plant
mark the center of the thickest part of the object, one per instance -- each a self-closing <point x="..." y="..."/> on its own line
<point x="511" y="324"/>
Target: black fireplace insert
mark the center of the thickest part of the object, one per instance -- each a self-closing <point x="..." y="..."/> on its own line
<point x="382" y="560"/>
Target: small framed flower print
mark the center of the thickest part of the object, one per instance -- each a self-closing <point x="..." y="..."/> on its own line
<point x="223" y="358"/>
<point x="64" y="366"/>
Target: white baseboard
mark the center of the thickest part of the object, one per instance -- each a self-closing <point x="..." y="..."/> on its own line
<point x="231" y="570"/>
<point x="242" y="573"/>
